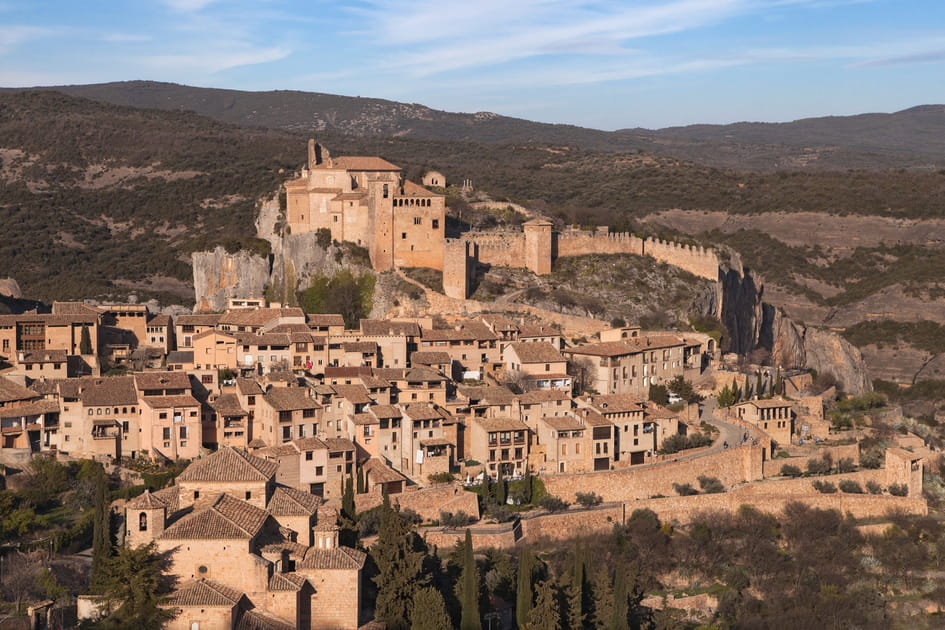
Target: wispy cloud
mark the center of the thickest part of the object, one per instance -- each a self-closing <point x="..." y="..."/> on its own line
<point x="932" y="56"/>
<point x="14" y="35"/>
<point x="215" y="60"/>
<point x="188" y="6"/>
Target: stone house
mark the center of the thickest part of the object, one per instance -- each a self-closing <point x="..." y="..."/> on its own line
<point x="630" y="366"/>
<point x="186" y="326"/>
<point x="538" y="364"/>
<point x="246" y="551"/>
<point x="639" y="426"/>
<point x="774" y="416"/>
<point x="170" y="418"/>
<point x="27" y="420"/>
<point x="27" y="333"/>
<point x="100" y="417"/>
<point x="563" y="439"/>
<point x="285" y="413"/>
<point x="500" y="442"/>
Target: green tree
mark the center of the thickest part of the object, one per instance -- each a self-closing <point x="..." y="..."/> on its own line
<point x="736" y="391"/>
<point x="545" y="615"/>
<point x="469" y="587"/>
<point x="501" y="489"/>
<point x="102" y="548"/>
<point x="657" y="394"/>
<point x="523" y="590"/>
<point x="576" y="589"/>
<point x="759" y="385"/>
<point x="429" y="611"/>
<point x="399" y="556"/>
<point x="603" y="588"/>
<point x="527" y="489"/>
<point x="361" y="487"/>
<point x="134" y="590"/>
<point x="618" y="619"/>
<point x="85" y="341"/>
<point x="347" y="500"/>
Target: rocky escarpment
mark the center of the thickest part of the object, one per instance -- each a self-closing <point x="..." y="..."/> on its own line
<point x="220" y="275"/>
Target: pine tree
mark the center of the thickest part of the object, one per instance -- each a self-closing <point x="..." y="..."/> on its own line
<point x="102" y="548"/>
<point x="621" y="609"/>
<point x="545" y="615"/>
<point x="429" y="611"/>
<point x="347" y="500"/>
<point x="85" y="341"/>
<point x="399" y="557"/>
<point x="523" y="590"/>
<point x="133" y="590"/>
<point x="603" y="598"/>
<point x="469" y="581"/>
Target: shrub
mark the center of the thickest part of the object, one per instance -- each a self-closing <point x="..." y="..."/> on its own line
<point x="873" y="488"/>
<point x="552" y="503"/>
<point x="790" y="470"/>
<point x="824" y="487"/>
<point x="846" y="465"/>
<point x="710" y="485"/>
<point x="459" y="519"/>
<point x="323" y="237"/>
<point x="819" y="466"/>
<point x="684" y="489"/>
<point x="898" y="489"/>
<point x="588" y="499"/>
<point x="850" y="487"/>
<point x="441" y="477"/>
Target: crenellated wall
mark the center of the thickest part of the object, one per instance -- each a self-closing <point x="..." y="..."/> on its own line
<point x="500" y="248"/>
<point x="695" y="259"/>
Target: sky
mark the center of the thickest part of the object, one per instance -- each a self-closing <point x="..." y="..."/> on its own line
<point x="606" y="65"/>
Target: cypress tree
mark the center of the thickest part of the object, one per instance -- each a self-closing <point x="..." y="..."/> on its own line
<point x="736" y="392"/>
<point x="469" y="580"/>
<point x="361" y="488"/>
<point x="545" y="615"/>
<point x="102" y="548"/>
<point x="621" y="609"/>
<point x="603" y="600"/>
<point x="576" y="589"/>
<point x="759" y="386"/>
<point x="399" y="558"/>
<point x="85" y="341"/>
<point x="527" y="486"/>
<point x="347" y="500"/>
<point x="429" y="611"/>
<point x="523" y="590"/>
<point x="500" y="488"/>
<point x="778" y="383"/>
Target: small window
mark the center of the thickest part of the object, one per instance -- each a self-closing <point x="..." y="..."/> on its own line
<point x="143" y="522"/>
<point x="197" y="496"/>
<point x="436" y="224"/>
<point x="417" y="221"/>
<point x="403" y="235"/>
<point x="249" y="495"/>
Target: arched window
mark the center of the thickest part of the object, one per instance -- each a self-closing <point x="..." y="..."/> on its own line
<point x="143" y="522"/>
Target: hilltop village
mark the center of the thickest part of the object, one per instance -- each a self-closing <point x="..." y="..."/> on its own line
<point x="280" y="412"/>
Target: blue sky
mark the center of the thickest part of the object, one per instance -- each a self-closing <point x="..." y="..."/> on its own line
<point x="648" y="63"/>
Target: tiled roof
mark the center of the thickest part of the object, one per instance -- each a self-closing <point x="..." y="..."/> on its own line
<point x="336" y="558"/>
<point x="162" y="380"/>
<point x="356" y="394"/>
<point x="480" y="331"/>
<point x="248" y="386"/>
<point x="592" y="419"/>
<point x="292" y="502"/>
<point x="290" y="399"/>
<point x="536" y="352"/>
<point x="359" y="346"/>
<point x="259" y="316"/>
<point x="230" y="464"/>
<point x="542" y="395"/>
<point x="358" y="163"/>
<point x="146" y="501"/>
<point x="75" y="308"/>
<point x="770" y="403"/>
<point x="389" y="328"/>
<point x="309" y="444"/>
<point x="339" y="444"/>
<point x="204" y="592"/>
<point x="423" y="411"/>
<point x="324" y="319"/>
<point x="430" y="357"/>
<point x="10" y="391"/>
<point x="213" y="332"/>
<point x="411" y="189"/>
<point x="44" y="356"/>
<point x="562" y="423"/>
<point x="228" y="405"/>
<point x="253" y="620"/>
<point x="490" y="394"/>
<point x="529" y="330"/>
<point x="361" y="419"/>
<point x="170" y="402"/>
<point x="501" y="424"/>
<point x="227" y="518"/>
<point x="180" y="356"/>
<point x="385" y="411"/>
<point x="447" y="334"/>
<point x="32" y="409"/>
<point x="198" y="319"/>
<point x="615" y="403"/>
<point x="286" y="582"/>
<point x="378" y="471"/>
<point x="160" y="320"/>
<point x="108" y="390"/>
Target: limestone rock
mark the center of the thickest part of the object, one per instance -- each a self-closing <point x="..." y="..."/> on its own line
<point x="10" y="288"/>
<point x="219" y="275"/>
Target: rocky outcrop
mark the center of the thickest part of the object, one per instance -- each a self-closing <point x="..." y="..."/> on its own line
<point x="10" y="288"/>
<point x="742" y="311"/>
<point x="220" y="275"/>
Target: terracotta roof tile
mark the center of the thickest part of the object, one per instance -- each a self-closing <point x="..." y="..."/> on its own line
<point x="108" y="390"/>
<point x="10" y="391"/>
<point x="226" y="518"/>
<point x="501" y="424"/>
<point x="336" y="558"/>
<point x="536" y="352"/>
<point x="204" y="592"/>
<point x="230" y="464"/>
<point x="254" y="620"/>
<point x="169" y="402"/>
<point x="161" y="380"/>
<point x="292" y="502"/>
<point x="290" y="399"/>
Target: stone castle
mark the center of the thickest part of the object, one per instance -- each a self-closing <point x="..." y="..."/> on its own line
<point x="366" y="200"/>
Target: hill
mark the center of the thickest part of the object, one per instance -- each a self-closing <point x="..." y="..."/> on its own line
<point x="901" y="140"/>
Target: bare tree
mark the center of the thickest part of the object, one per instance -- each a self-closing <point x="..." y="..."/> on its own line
<point x="581" y="372"/>
<point x="19" y="576"/>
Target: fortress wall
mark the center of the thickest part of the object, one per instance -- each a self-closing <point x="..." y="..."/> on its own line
<point x="696" y="260"/>
<point x="579" y="243"/>
<point x="730" y="466"/>
<point x="500" y="249"/>
<point x="692" y="258"/>
<point x="563" y="525"/>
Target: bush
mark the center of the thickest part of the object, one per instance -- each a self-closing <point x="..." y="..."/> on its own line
<point x="898" y="489"/>
<point x="824" y="487"/>
<point x="710" y="485"/>
<point x="850" y="487"/>
<point x="323" y="237"/>
<point x="588" y="499"/>
<point x="684" y="489"/>
<point x="846" y="465"/>
<point x="790" y="470"/>
<point x="820" y="466"/>
<point x="441" y="477"/>
<point x="552" y="503"/>
<point x="873" y="488"/>
<point x="459" y="519"/>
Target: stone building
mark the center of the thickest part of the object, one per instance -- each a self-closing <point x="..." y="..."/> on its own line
<point x="247" y="552"/>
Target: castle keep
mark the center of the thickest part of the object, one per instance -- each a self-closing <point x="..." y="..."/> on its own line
<point x="366" y="200"/>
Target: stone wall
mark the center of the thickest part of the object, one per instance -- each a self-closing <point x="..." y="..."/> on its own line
<point x="428" y="502"/>
<point x="692" y="258"/>
<point x="499" y="248"/>
<point x="564" y="525"/>
<point x="730" y="466"/>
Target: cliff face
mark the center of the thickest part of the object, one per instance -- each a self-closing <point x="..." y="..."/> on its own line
<point x="752" y="324"/>
<point x="219" y="275"/>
